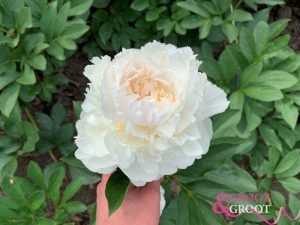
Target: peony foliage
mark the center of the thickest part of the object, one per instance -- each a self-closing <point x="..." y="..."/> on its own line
<point x="255" y="142"/>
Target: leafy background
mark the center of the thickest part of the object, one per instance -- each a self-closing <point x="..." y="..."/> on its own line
<point x="246" y="48"/>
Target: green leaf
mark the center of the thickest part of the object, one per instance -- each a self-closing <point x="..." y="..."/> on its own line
<point x="204" y="30"/>
<point x="88" y="176"/>
<point x="212" y="69"/>
<point x="34" y="43"/>
<point x="32" y="137"/>
<point x="261" y="35"/>
<point x="193" y="211"/>
<point x="276" y="47"/>
<point x="269" y="2"/>
<point x="225" y="121"/>
<point x="237" y="99"/>
<point x="253" y="120"/>
<point x="72" y="189"/>
<point x="200" y="213"/>
<point x="101" y="3"/>
<point x="192" y="22"/>
<point x="44" y="121"/>
<point x="233" y="177"/>
<point x="247" y="44"/>
<point x="56" y="50"/>
<point x="288" y="160"/>
<point x="9" y="168"/>
<point x="13" y="5"/>
<point x="182" y="214"/>
<point x="290" y="64"/>
<point x="292" y="171"/>
<point x="194" y="7"/>
<point x="8" y="98"/>
<point x="76" y="30"/>
<point x="36" y="199"/>
<point x="55" y="182"/>
<point x="8" y="77"/>
<point x="288" y="111"/>
<point x="48" y="25"/>
<point x="228" y="65"/>
<point x="58" y="113"/>
<point x="105" y="31"/>
<point x="153" y="14"/>
<point x="294" y="204"/>
<point x="273" y="156"/>
<point x="79" y="7"/>
<point x="277" y="27"/>
<point x="116" y="189"/>
<point x="75" y="207"/>
<point x="139" y="5"/>
<point x="250" y="73"/>
<point x="230" y="31"/>
<point x="11" y="187"/>
<point x="278" y="199"/>
<point x="291" y="184"/>
<point x="269" y="136"/>
<point x="77" y="108"/>
<point x="64" y="133"/>
<point x="45" y="221"/>
<point x="240" y="16"/>
<point x="35" y="174"/>
<point x="287" y="135"/>
<point x="24" y="19"/>
<point x="263" y="93"/>
<point x="278" y="79"/>
<point x="38" y="62"/>
<point x="28" y="76"/>
<point x="67" y="43"/>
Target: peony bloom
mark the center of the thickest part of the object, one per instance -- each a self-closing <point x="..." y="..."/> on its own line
<point x="147" y="112"/>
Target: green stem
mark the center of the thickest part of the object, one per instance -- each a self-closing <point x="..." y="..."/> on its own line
<point x="52" y="156"/>
<point x="30" y="117"/>
<point x="3" y="30"/>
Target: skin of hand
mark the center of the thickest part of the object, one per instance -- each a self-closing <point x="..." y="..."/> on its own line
<point x="141" y="205"/>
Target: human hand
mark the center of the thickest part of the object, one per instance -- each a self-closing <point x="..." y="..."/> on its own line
<point x="141" y="205"/>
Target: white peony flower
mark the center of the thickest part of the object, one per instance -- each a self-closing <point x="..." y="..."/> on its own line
<point x="147" y="112"/>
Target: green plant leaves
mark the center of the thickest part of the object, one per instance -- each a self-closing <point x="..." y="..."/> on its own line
<point x="291" y="184"/>
<point x="269" y="136"/>
<point x="261" y="36"/>
<point x="8" y="98"/>
<point x="233" y="177"/>
<point x="37" y="199"/>
<point x="278" y="79"/>
<point x="72" y="189"/>
<point x="192" y="210"/>
<point x="240" y="16"/>
<point x="262" y="92"/>
<point x="79" y="7"/>
<point x="75" y="30"/>
<point x="74" y="207"/>
<point x="35" y="174"/>
<point x="116" y="189"/>
<point x="288" y="160"/>
<point x="55" y="182"/>
<point x="288" y="111"/>
<point x="250" y="73"/>
<point x="37" y="62"/>
<point x="139" y="5"/>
